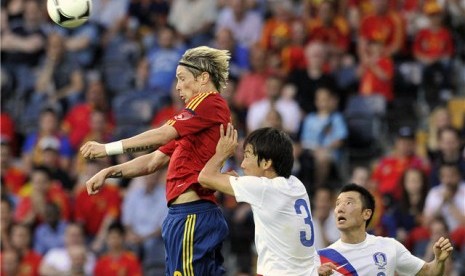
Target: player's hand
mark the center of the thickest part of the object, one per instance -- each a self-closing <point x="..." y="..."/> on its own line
<point x="326" y="269"/>
<point x="442" y="249"/>
<point x="228" y="141"/>
<point x="92" y="150"/>
<point x="94" y="184"/>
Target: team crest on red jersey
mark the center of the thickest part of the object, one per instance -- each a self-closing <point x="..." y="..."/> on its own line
<point x="184" y="115"/>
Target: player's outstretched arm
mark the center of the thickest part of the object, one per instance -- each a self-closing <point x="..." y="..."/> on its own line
<point x="142" y="165"/>
<point x="211" y="176"/>
<point x="148" y="140"/>
<point x="442" y="251"/>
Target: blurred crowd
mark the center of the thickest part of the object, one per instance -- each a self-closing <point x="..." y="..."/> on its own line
<point x="371" y="91"/>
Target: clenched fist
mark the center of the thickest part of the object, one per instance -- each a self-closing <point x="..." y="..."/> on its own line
<point x="92" y="150"/>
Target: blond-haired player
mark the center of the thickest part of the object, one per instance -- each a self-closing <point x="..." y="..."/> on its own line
<point x="195" y="227"/>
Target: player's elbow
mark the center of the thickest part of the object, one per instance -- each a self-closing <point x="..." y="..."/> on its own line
<point x="157" y="161"/>
<point x="203" y="179"/>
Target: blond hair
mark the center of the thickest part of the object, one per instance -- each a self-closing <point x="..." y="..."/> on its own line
<point x="205" y="59"/>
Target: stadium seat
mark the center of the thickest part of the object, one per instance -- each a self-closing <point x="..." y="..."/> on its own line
<point x="134" y="111"/>
<point x="456" y="107"/>
<point x="365" y="122"/>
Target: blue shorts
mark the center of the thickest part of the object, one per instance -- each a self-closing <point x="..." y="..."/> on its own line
<point x="193" y="233"/>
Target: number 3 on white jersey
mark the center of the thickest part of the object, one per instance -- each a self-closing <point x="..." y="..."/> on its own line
<point x="299" y="203"/>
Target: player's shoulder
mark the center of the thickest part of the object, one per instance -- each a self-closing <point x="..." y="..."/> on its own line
<point x="291" y="185"/>
<point x="206" y="99"/>
<point x="381" y="240"/>
<point x="250" y="178"/>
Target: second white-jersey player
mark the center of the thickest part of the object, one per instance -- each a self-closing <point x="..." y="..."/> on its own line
<point x="358" y="253"/>
<point x="377" y="256"/>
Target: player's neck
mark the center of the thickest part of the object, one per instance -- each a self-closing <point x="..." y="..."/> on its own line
<point x="270" y="174"/>
<point x="209" y="87"/>
<point x="353" y="236"/>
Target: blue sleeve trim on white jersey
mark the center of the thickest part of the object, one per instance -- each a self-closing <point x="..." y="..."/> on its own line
<point x="329" y="255"/>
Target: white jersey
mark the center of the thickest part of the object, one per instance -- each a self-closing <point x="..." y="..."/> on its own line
<point x="284" y="235"/>
<point x="377" y="256"/>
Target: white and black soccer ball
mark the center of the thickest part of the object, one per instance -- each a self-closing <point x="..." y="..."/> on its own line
<point x="69" y="13"/>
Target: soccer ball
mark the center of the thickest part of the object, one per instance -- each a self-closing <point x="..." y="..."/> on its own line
<point x="69" y="13"/>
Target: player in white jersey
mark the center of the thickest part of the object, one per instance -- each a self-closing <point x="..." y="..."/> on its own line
<point x="358" y="253"/>
<point x="284" y="235"/>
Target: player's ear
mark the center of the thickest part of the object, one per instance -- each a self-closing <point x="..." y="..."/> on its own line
<point x="205" y="77"/>
<point x="267" y="164"/>
<point x="367" y="213"/>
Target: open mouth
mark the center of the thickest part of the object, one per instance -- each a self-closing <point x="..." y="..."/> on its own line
<point x="341" y="219"/>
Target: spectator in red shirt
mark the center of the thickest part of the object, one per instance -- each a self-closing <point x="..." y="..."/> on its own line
<point x="21" y="241"/>
<point x="251" y="87"/>
<point x="99" y="132"/>
<point x="98" y="212"/>
<point x="293" y="54"/>
<point x="329" y="28"/>
<point x="433" y="47"/>
<point x="383" y="25"/>
<point x="376" y="72"/>
<point x="7" y="128"/>
<point x="13" y="178"/>
<point x="31" y="206"/>
<point x="388" y="172"/>
<point x="281" y="18"/>
<point x="175" y="105"/>
<point x="117" y="260"/>
<point x="77" y="122"/>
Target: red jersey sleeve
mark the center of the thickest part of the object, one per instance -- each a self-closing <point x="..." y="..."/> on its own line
<point x="169" y="148"/>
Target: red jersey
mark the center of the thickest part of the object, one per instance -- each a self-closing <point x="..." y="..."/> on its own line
<point x="388" y="28"/>
<point x="77" y="123"/>
<point x="164" y="115"/>
<point x="253" y="81"/>
<point x="29" y="265"/>
<point x="293" y="58"/>
<point x="371" y="84"/>
<point x="55" y="194"/>
<point x="124" y="265"/>
<point x="7" y="127"/>
<point x="14" y="180"/>
<point x="274" y="27"/>
<point x="379" y="28"/>
<point x="198" y="127"/>
<point x="336" y="35"/>
<point x="390" y="170"/>
<point x="92" y="210"/>
<point x="433" y="44"/>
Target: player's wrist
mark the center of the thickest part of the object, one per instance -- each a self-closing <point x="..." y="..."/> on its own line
<point x="114" y="148"/>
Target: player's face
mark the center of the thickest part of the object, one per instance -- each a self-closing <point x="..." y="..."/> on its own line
<point x="187" y="86"/>
<point x="249" y="164"/>
<point x="349" y="211"/>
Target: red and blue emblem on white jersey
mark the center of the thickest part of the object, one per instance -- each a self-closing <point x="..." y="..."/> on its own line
<point x="329" y="255"/>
